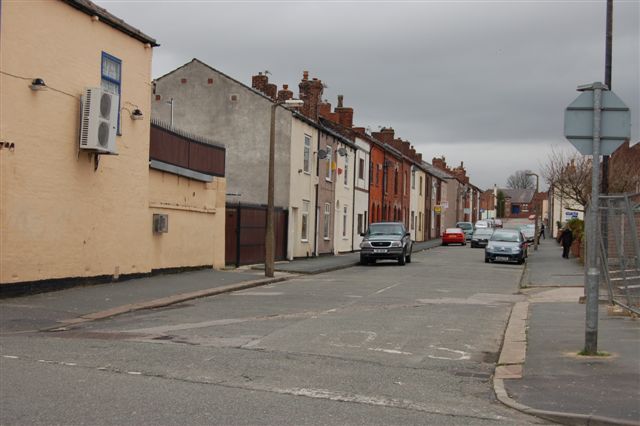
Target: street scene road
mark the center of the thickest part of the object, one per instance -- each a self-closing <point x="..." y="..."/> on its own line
<point x="379" y="344"/>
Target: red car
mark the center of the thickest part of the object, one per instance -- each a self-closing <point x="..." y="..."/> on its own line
<point x="453" y="236"/>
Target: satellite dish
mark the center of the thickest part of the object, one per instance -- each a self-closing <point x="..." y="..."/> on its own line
<point x="342" y="152"/>
<point x="322" y="154"/>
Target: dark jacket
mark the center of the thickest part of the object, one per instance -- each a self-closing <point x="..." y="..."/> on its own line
<point x="566" y="238"/>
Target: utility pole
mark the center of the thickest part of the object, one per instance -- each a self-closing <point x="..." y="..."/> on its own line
<point x="607" y="81"/>
<point x="270" y="239"/>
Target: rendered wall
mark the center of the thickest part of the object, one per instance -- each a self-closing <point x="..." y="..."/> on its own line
<point x="59" y="217"/>
<point x="419" y="194"/>
<point x="209" y="104"/>
<point x="302" y="189"/>
<point x="361" y="191"/>
<point x="342" y="232"/>
<point x="196" y="213"/>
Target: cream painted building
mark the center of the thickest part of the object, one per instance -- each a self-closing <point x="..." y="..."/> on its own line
<point x="418" y="202"/>
<point x="344" y="197"/>
<point x="68" y="214"/>
<point x="303" y="178"/>
<point x="361" y="191"/>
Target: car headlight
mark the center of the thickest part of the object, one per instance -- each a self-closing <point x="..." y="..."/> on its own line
<point x="365" y="244"/>
<point x="396" y="243"/>
<point x="515" y="250"/>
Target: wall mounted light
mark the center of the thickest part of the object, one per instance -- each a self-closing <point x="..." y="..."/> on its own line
<point x="136" y="114"/>
<point x="38" y="84"/>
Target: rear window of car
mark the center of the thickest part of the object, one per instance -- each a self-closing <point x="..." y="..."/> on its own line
<point x="453" y="231"/>
<point x="511" y="237"/>
<point x="464" y="225"/>
<point x="389" y="229"/>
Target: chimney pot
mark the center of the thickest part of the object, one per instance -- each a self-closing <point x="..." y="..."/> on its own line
<point x="340" y="99"/>
<point x="305" y="75"/>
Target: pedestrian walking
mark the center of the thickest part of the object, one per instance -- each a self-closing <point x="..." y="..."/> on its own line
<point x="566" y="238"/>
<point x="542" y="231"/>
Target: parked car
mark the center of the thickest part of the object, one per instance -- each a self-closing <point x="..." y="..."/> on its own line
<point x="481" y="237"/>
<point x="497" y="223"/>
<point x="386" y="240"/>
<point x="454" y="236"/>
<point x="529" y="231"/>
<point x="506" y="245"/>
<point x="482" y="224"/>
<point x="467" y="228"/>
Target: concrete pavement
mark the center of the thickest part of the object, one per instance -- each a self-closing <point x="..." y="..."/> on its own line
<point x="540" y="371"/>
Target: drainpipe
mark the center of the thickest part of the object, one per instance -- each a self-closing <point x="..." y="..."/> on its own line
<point x="353" y="204"/>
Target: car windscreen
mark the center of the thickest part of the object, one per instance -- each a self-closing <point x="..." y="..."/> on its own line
<point x="482" y="232"/>
<point x="510" y="237"/>
<point x="385" y="230"/>
<point x="464" y="225"/>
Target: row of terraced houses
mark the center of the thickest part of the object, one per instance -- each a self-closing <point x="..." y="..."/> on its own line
<point x="173" y="175"/>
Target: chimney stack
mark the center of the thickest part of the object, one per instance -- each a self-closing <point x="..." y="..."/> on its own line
<point x="259" y="82"/>
<point x="386" y="135"/>
<point x="345" y="115"/>
<point x="285" y="94"/>
<point x="311" y="94"/>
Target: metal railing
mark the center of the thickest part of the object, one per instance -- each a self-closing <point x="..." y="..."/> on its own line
<point x="620" y="249"/>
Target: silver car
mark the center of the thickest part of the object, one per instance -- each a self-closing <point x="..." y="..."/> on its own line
<point x="386" y="240"/>
<point x="506" y="245"/>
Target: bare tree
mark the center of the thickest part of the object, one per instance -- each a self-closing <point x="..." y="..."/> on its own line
<point x="569" y="175"/>
<point x="520" y="180"/>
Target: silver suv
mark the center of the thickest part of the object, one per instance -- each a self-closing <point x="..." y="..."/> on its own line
<point x="386" y="240"/>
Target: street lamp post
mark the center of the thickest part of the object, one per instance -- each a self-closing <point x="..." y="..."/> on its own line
<point x="269" y="246"/>
<point x="536" y="238"/>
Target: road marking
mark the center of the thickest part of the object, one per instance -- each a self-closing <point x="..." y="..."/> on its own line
<point x="386" y="288"/>
<point x="462" y="354"/>
<point x="9" y="356"/>
<point x="390" y="351"/>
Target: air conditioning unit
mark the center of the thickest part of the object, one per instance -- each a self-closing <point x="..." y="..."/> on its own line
<point x="99" y="120"/>
<point x="160" y="223"/>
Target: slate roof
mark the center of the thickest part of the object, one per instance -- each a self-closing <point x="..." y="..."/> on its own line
<point x="519" y="196"/>
<point x="433" y="170"/>
<point x="93" y="9"/>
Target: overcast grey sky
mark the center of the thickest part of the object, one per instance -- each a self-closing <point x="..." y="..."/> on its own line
<point x="484" y="82"/>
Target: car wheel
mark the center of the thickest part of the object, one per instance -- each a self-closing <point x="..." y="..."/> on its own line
<point x="408" y="258"/>
<point x="444" y="244"/>
<point x="521" y="261"/>
<point x="363" y="260"/>
<point x="464" y="244"/>
<point x="486" y="259"/>
<point x="402" y="259"/>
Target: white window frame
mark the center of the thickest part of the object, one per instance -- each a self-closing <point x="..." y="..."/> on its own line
<point x="304" y="222"/>
<point x="346" y="170"/>
<point x="345" y="215"/>
<point x="306" y="160"/>
<point x="327" y="222"/>
<point x="329" y="172"/>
